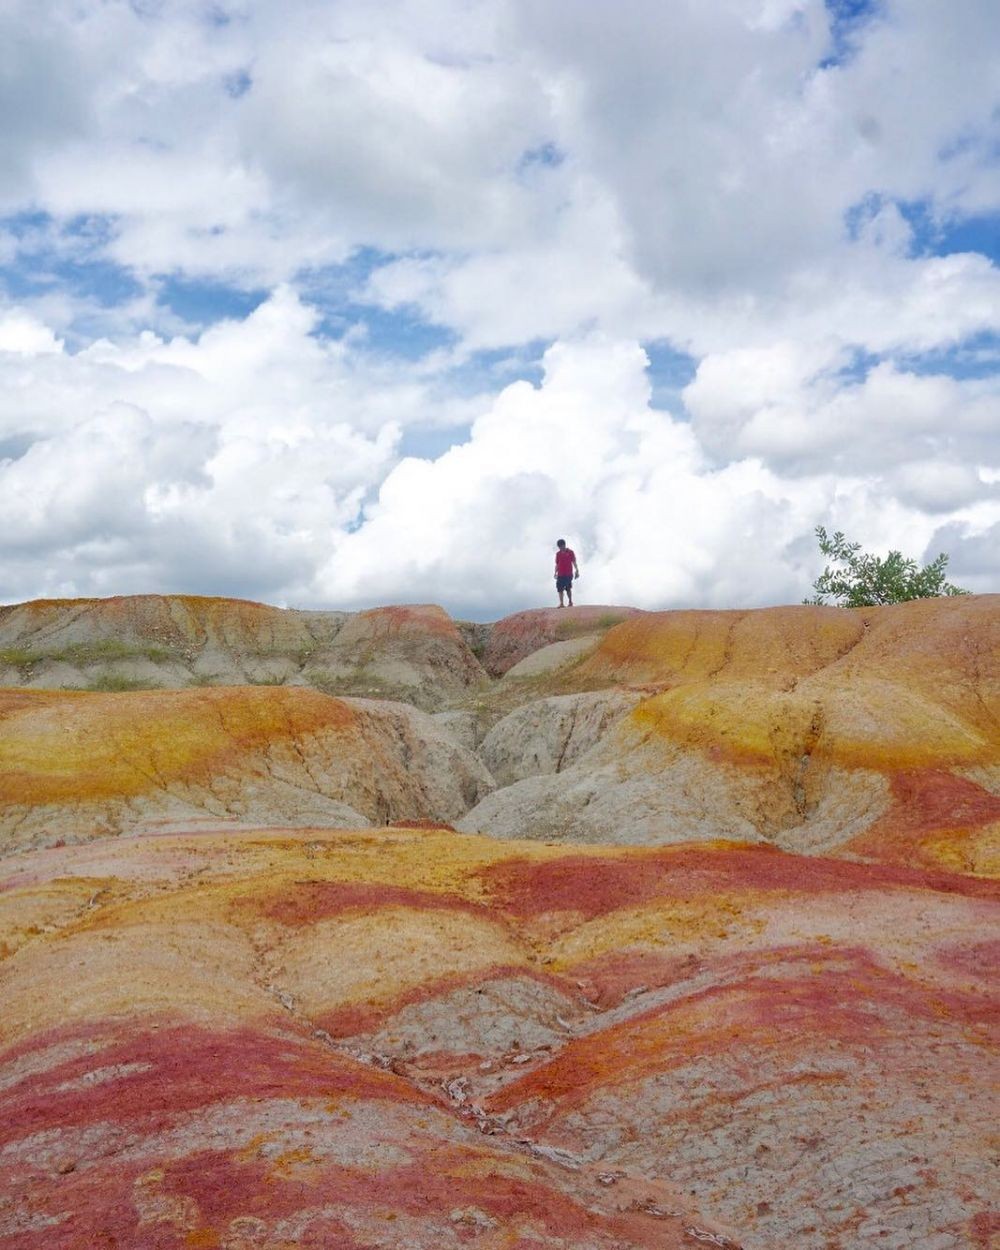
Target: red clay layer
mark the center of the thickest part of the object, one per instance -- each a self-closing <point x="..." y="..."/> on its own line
<point x="133" y="1197"/>
<point x="216" y="1187"/>
<point x="857" y="1004"/>
<point x="592" y="886"/>
<point x="515" y="637"/>
<point x="190" y="1067"/>
<point x="926" y="801"/>
<point x="410" y="620"/>
<point x="306" y="902"/>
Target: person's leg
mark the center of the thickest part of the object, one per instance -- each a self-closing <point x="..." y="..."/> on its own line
<point x="569" y="593"/>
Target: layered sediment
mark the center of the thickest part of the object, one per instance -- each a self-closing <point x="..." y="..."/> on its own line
<point x="712" y="963"/>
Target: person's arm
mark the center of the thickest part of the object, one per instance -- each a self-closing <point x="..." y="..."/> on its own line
<point x="576" y="568"/>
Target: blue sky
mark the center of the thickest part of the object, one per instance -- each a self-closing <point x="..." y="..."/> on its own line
<point x="369" y="302"/>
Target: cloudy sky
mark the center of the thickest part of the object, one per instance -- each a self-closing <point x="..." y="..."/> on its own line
<point x="347" y="302"/>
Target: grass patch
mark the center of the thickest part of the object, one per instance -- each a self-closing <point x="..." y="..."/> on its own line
<point x="573" y="627"/>
<point x="110" y="683"/>
<point x="17" y="657"/>
<point x="272" y="680"/>
<point x="504" y="695"/>
<point x="570" y="628"/>
<point x="108" y="650"/>
<point x="204" y="679"/>
<point x="365" y="686"/>
<point x="82" y="654"/>
<point x="353" y="684"/>
<point x="299" y="656"/>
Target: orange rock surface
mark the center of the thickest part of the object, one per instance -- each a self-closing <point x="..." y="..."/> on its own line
<point x="517" y="636"/>
<point x="914" y="685"/>
<point x="85" y="765"/>
<point x="410" y="1037"/>
<point x="233" y="1016"/>
<point x="810" y="728"/>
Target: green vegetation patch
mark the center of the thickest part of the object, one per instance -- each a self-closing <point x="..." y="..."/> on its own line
<point x="575" y="627"/>
<point x="111" y="683"/>
<point x="17" y="657"/>
<point x="857" y="579"/>
<point x="82" y="654"/>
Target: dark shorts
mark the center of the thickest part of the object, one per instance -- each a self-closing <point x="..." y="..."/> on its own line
<point x="564" y="583"/>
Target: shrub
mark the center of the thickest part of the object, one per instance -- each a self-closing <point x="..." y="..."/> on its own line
<point x="859" y="580"/>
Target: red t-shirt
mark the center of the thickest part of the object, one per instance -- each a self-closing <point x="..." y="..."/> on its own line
<point x="565" y="559"/>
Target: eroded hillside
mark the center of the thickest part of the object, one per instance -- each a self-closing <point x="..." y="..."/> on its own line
<point x="240" y="1012"/>
<point x="868" y="733"/>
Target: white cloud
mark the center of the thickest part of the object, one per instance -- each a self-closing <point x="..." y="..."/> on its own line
<point x="940" y="485"/>
<point x="734" y="155"/>
<point x="25" y="335"/>
<point x="246" y="451"/>
<point x="791" y="406"/>
<point x="587" y="176"/>
<point x="43" y="97"/>
<point x="260" y="460"/>
<point x="652" y="518"/>
<point x="402" y="150"/>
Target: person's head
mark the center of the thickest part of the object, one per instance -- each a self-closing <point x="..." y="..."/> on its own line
<point x="560" y="543"/>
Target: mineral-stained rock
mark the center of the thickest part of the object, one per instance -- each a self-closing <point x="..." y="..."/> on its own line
<point x="549" y="735"/>
<point x="804" y="727"/>
<point x="517" y="636"/>
<point x="416" y="652"/>
<point x="553" y="657"/>
<point x="415" y="1038"/>
<point x="229" y="639"/>
<point x="175" y="1134"/>
<point x="83" y="765"/>
<point x="231" y="1024"/>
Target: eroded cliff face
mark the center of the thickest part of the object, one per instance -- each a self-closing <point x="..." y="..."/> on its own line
<point x="76" y="766"/>
<point x="815" y="729"/>
<point x="413" y="652"/>
<point x="727" y="977"/>
<point x="871" y="734"/>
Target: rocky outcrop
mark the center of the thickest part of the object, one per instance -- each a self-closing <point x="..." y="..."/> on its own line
<point x="872" y="733"/>
<point x="76" y="766"/>
<point x="517" y="636"/>
<point x="415" y="1038"/>
<point x="238" y="1012"/>
<point x="805" y="727"/>
<point x="416" y="653"/>
<point x="546" y="736"/>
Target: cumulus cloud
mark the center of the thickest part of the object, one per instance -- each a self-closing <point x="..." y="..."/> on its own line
<point x="793" y="406"/>
<point x="654" y="518"/>
<point x="245" y="449"/>
<point x="402" y="149"/>
<point x="255" y="461"/>
<point x="735" y="146"/>
<point x="43" y="97"/>
<point x="759" y="184"/>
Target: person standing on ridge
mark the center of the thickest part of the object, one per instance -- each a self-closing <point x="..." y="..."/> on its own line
<point x="566" y="569"/>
